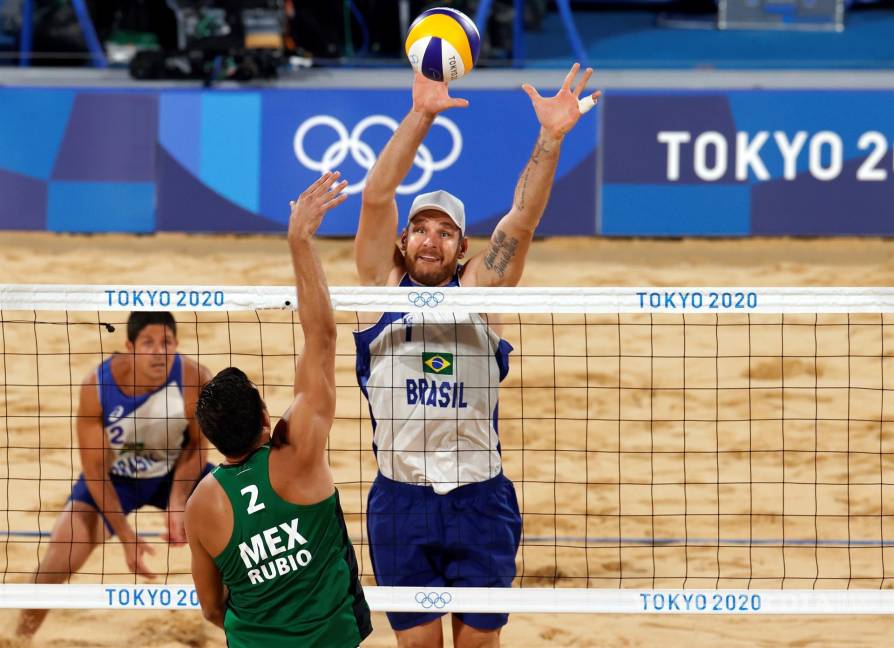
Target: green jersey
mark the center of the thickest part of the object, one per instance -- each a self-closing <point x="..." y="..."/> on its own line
<point x="290" y="569"/>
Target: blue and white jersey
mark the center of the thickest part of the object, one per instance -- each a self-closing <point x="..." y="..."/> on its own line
<point x="146" y="433"/>
<point x="432" y="382"/>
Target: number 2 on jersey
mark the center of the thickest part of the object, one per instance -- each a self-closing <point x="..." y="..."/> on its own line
<point x="117" y="434"/>
<point x="252" y="492"/>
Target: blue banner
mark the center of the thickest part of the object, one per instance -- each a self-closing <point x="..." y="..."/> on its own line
<point x="670" y="163"/>
<point x="734" y="163"/>
<point x="230" y="161"/>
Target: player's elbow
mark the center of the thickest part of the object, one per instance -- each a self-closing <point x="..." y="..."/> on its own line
<point x="520" y="225"/>
<point x="325" y="329"/>
<point x="214" y="614"/>
<point x="322" y="338"/>
<point x="327" y="338"/>
<point x="318" y="324"/>
<point x="93" y="465"/>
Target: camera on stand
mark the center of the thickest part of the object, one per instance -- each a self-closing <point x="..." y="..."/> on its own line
<point x="219" y="40"/>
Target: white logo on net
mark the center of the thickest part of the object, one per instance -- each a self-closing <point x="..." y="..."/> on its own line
<point x="364" y="156"/>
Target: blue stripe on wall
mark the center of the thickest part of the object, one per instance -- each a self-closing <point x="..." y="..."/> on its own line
<point x="101" y="207"/>
<point x="180" y="128"/>
<point x="231" y="146"/>
<point x="675" y="210"/>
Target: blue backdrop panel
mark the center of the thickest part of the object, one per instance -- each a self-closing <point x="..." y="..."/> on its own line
<point x="230" y="146"/>
<point x="23" y="202"/>
<point x="110" y="137"/>
<point x="476" y="153"/>
<point x="632" y="123"/>
<point x="230" y="161"/>
<point x="32" y="123"/>
<point x="101" y="207"/>
<point x="659" y="210"/>
<point x="185" y="204"/>
<point x="797" y="162"/>
<point x="179" y="120"/>
<point x="670" y="163"/>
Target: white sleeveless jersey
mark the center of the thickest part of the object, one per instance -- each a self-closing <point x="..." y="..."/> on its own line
<point x="146" y="433"/>
<point x="432" y="382"/>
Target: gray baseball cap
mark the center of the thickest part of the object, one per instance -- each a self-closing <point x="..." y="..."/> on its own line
<point x="441" y="201"/>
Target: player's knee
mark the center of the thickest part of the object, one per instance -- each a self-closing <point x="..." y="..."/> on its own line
<point x="81" y="525"/>
<point x="490" y="641"/>
<point x="465" y="636"/>
<point x="65" y="556"/>
<point x="420" y="642"/>
<point x="427" y="635"/>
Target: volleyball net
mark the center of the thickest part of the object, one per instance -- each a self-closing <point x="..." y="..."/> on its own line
<point x="673" y="449"/>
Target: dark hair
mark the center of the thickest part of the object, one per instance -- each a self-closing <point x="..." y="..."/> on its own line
<point x="138" y="320"/>
<point x="230" y="412"/>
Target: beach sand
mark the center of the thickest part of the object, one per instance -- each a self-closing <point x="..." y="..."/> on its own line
<point x="37" y="462"/>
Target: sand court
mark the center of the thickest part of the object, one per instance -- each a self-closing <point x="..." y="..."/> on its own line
<point x="765" y="429"/>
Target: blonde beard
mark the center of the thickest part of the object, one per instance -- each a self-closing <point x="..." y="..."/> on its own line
<point x="433" y="278"/>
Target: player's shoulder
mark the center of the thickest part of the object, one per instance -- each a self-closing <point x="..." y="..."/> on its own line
<point x="93" y="376"/>
<point x="195" y="376"/>
<point x="208" y="486"/>
<point x="92" y="379"/>
<point x="209" y="516"/>
<point x="207" y="499"/>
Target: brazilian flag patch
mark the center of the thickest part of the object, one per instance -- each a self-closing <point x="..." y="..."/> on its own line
<point x="438" y="363"/>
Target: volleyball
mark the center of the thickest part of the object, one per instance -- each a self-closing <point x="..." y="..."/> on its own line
<point x="443" y="44"/>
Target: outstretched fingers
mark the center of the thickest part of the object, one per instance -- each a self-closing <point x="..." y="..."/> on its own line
<point x="335" y="196"/>
<point x="325" y="182"/>
<point x="319" y="182"/>
<point x="566" y="85"/>
<point x="583" y="82"/>
<point x="531" y="91"/>
<point x="335" y="202"/>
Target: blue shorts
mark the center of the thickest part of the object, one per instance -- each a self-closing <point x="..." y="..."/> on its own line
<point x="133" y="493"/>
<point x="465" y="538"/>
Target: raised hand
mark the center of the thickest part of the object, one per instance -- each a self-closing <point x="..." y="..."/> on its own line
<point x="432" y="97"/>
<point x="317" y="199"/>
<point x="558" y="114"/>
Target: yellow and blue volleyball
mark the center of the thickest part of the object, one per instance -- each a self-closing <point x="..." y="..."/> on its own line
<point x="443" y="44"/>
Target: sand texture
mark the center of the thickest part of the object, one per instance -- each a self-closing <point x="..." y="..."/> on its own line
<point x="602" y="451"/>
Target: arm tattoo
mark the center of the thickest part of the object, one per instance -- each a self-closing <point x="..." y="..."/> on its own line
<point x="521" y="189"/>
<point x="502" y="248"/>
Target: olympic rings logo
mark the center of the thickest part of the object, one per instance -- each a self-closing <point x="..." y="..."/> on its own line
<point x="364" y="156"/>
<point x="430" y="299"/>
<point x="430" y="600"/>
